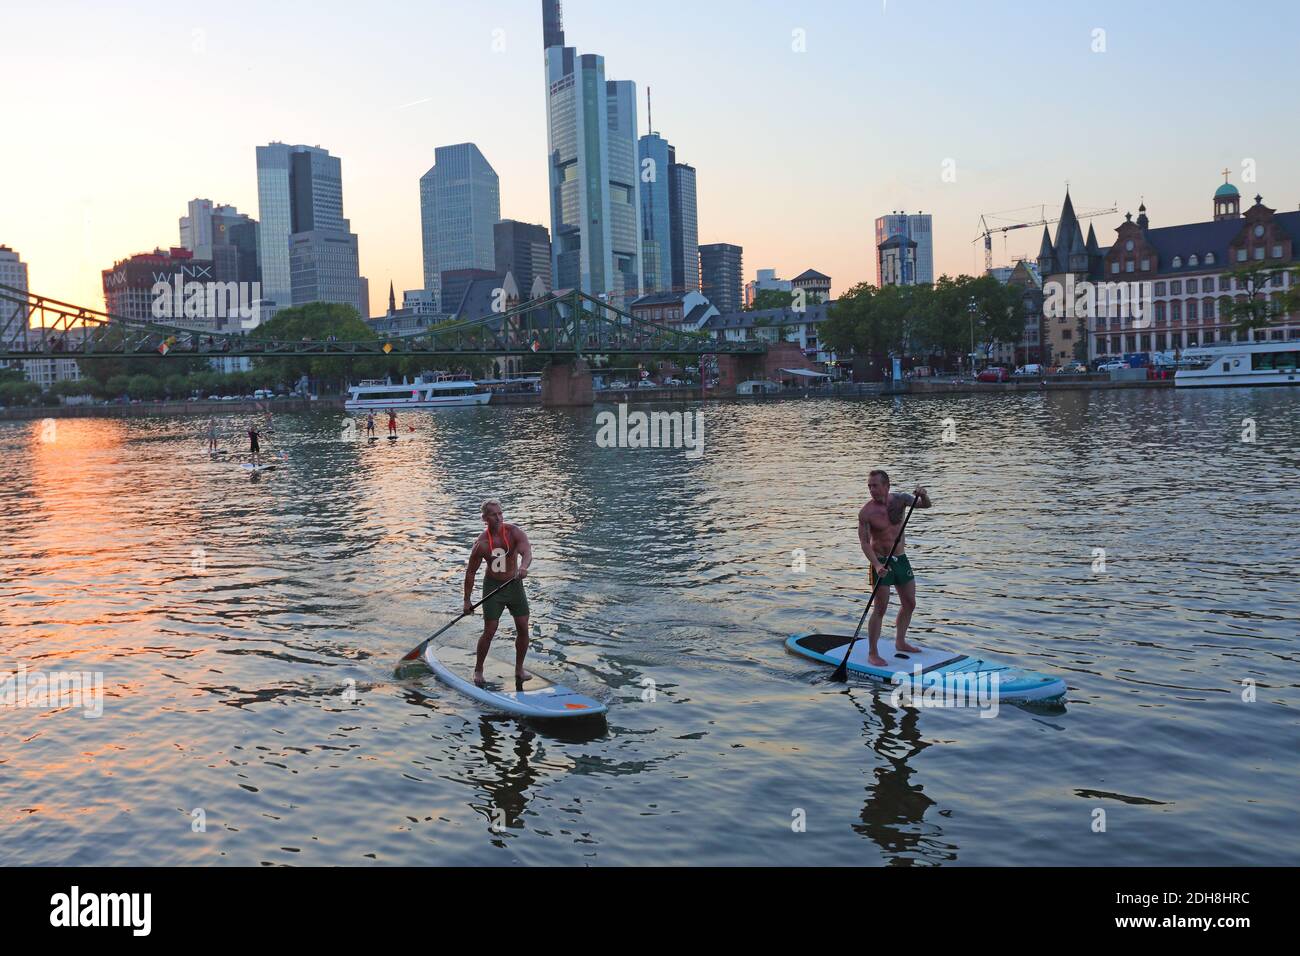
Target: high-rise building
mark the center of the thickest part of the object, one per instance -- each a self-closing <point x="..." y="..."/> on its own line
<point x="13" y="320"/>
<point x="721" y="272"/>
<point x="592" y="171"/>
<point x="460" y="201"/>
<point x="916" y="227"/>
<point x="766" y="281"/>
<point x="300" y="203"/>
<point x="685" y="226"/>
<point x="524" y="251"/>
<point x="15" y="333"/>
<point x="656" y="219"/>
<point x="224" y="235"/>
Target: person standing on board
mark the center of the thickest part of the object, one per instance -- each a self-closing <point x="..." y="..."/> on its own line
<point x="880" y="524"/>
<point x="370" y="425"/>
<point x="212" y="435"/>
<point x="392" y="423"/>
<point x="508" y="554"/>
<point x="254" y="448"/>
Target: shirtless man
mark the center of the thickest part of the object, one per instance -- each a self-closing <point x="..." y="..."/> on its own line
<point x="508" y="554"/>
<point x="880" y="522"/>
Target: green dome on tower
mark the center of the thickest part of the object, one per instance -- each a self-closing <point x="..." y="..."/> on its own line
<point x="1227" y="189"/>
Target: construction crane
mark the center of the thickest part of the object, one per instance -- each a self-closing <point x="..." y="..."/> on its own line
<point x="986" y="232"/>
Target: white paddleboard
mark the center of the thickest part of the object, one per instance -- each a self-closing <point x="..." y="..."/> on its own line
<point x="256" y="469"/>
<point x="1013" y="684"/>
<point x="534" y="697"/>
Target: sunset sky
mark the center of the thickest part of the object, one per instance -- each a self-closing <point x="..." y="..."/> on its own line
<point x="118" y="114"/>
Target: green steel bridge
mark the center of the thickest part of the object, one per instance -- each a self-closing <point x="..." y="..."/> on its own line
<point x="567" y="325"/>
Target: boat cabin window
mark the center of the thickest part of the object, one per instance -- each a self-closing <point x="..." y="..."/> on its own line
<point x="1274" y="361"/>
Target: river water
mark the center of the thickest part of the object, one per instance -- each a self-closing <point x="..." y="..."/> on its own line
<point x="247" y="631"/>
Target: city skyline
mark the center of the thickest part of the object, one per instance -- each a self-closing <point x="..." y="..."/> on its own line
<point x="70" y="220"/>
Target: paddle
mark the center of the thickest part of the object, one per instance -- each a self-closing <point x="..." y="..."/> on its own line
<point x="418" y="650"/>
<point x="841" y="673"/>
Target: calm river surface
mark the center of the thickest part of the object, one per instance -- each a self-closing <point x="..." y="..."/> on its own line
<point x="247" y="630"/>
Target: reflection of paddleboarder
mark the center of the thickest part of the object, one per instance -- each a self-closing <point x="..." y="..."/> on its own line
<point x="392" y="424"/>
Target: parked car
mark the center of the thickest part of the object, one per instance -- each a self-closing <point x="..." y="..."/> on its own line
<point x="214" y="398"/>
<point x="672" y="382"/>
<point x="995" y="373"/>
<point x="618" y="383"/>
<point x="646" y="383"/>
<point x="1028" y="370"/>
<point x="1075" y="368"/>
<point x="1112" y="366"/>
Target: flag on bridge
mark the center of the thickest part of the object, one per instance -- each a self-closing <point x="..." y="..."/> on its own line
<point x="166" y="344"/>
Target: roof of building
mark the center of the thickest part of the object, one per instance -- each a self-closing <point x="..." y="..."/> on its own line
<point x="659" y="298"/>
<point x="1227" y="189"/>
<point x="815" y="312"/>
<point x="811" y="274"/>
<point x="696" y="315"/>
<point x="1199" y="238"/>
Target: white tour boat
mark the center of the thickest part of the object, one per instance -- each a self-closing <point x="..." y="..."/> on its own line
<point x="440" y="391"/>
<point x="1239" y="363"/>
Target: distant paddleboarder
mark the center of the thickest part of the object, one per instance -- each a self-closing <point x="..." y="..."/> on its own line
<point x="508" y="554"/>
<point x="392" y="423"/>
<point x="370" y="425"/>
<point x="254" y="448"/>
<point x="212" y="435"/>
<point x="880" y="524"/>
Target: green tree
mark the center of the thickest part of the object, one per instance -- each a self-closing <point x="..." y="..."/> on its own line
<point x="1258" y="309"/>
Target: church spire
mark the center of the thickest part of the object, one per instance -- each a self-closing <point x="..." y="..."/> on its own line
<point x="392" y="298"/>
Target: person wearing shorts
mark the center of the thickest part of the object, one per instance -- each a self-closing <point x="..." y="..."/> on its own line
<point x="880" y="534"/>
<point x="507" y="553"/>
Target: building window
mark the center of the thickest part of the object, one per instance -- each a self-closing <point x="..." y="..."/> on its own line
<point x="1178" y="262"/>
<point x="1224" y="283"/>
<point x="1192" y="260"/>
<point x="1209" y="258"/>
<point x="1176" y="311"/>
<point x="1176" y="287"/>
<point x="1277" y="252"/>
<point x="1159" y="289"/>
<point x="1160" y="312"/>
<point x="1191" y="310"/>
<point x="1146" y="265"/>
<point x="1209" y="308"/>
<point x="1241" y="255"/>
<point x="1128" y="266"/>
<point x="1114" y="268"/>
<point x="1191" y="285"/>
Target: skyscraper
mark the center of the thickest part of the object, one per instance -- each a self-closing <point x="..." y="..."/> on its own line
<point x="656" y="219"/>
<point x="524" y="251"/>
<point x="460" y="201"/>
<point x="917" y="228"/>
<point x="721" y="272"/>
<point x="300" y="202"/>
<point x="684" y="224"/>
<point x="224" y="235"/>
<point x="592" y="170"/>
<point x="13" y="322"/>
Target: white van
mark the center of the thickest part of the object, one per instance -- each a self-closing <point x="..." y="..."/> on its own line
<point x="1028" y="370"/>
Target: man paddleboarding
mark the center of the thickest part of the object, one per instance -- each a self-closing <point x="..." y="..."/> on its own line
<point x="212" y="435"/>
<point x="370" y="425"/>
<point x="254" y="449"/>
<point x="880" y="524"/>
<point x="508" y="554"/>
<point x="392" y="424"/>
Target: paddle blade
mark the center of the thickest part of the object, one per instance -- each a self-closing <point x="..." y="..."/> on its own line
<point x="841" y="674"/>
<point x="415" y="653"/>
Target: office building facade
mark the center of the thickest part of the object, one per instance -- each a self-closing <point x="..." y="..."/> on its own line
<point x="460" y="203"/>
<point x="721" y="274"/>
<point x="916" y="227"/>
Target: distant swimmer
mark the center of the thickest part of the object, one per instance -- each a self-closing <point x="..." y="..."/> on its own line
<point x="508" y="554"/>
<point x="880" y="524"/>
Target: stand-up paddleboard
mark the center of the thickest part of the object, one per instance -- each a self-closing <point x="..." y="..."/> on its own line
<point x="1014" y="685"/>
<point x="535" y="697"/>
<point x="256" y="469"/>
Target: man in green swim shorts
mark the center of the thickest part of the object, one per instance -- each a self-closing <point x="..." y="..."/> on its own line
<point x="880" y="524"/>
<point x="508" y="554"/>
